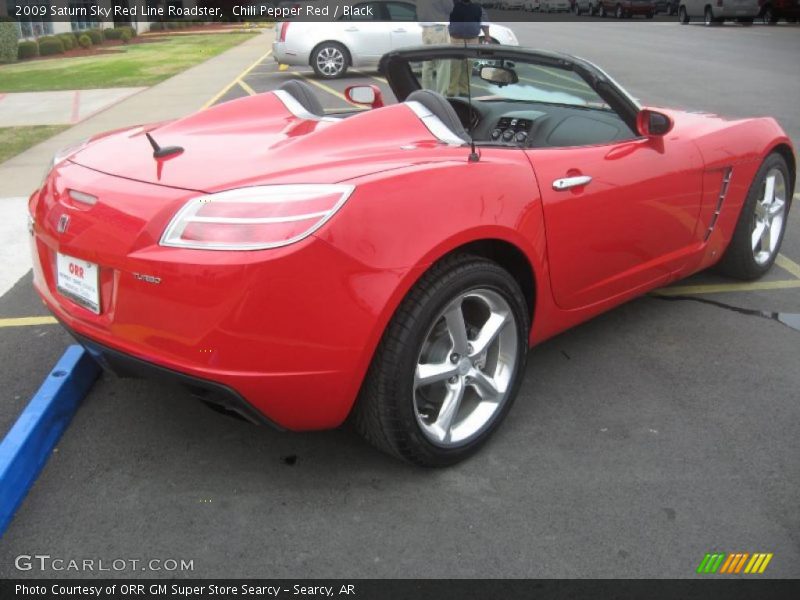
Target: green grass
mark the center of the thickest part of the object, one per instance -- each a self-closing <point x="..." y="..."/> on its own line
<point x="133" y="66"/>
<point x="14" y="140"/>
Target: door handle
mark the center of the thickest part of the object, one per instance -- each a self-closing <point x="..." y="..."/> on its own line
<point x="352" y="29"/>
<point x="560" y="185"/>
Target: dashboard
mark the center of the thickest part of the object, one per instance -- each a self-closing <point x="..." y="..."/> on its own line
<point x="539" y="125"/>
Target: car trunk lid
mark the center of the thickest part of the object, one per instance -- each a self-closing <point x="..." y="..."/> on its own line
<point x="255" y="141"/>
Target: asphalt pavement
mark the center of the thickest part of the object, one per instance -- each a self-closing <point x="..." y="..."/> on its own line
<point x="640" y="441"/>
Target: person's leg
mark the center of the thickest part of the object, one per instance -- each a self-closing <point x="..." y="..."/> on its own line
<point x="428" y="66"/>
<point x="457" y="85"/>
<point x="461" y="71"/>
<point x="442" y="66"/>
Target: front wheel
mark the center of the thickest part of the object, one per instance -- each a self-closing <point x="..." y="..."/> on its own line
<point x="449" y="364"/>
<point x="762" y="222"/>
<point x="329" y="60"/>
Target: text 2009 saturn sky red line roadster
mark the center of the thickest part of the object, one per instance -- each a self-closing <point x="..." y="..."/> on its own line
<point x="302" y="268"/>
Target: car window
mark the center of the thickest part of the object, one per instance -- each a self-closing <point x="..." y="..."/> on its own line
<point x="401" y="11"/>
<point x="535" y="83"/>
<point x="539" y="83"/>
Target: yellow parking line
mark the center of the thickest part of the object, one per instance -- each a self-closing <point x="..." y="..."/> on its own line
<point x="322" y="86"/>
<point x="788" y="265"/>
<point x="27" y="321"/>
<point x="375" y="77"/>
<point x="246" y="88"/>
<point x="236" y="80"/>
<point x="684" y="290"/>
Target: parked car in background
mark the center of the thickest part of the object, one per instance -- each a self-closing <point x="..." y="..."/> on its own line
<point x="555" y="6"/>
<point x="772" y="11"/>
<point x="719" y="11"/>
<point x="585" y="7"/>
<point x="623" y="9"/>
<point x="331" y="48"/>
<point x="512" y="4"/>
<point x="532" y="5"/>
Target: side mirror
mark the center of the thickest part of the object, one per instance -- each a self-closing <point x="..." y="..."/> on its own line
<point x="367" y="95"/>
<point x="651" y="123"/>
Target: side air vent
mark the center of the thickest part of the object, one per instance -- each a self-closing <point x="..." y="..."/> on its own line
<point x="723" y="191"/>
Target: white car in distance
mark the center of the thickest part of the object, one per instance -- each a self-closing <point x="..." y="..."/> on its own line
<point x="358" y="42"/>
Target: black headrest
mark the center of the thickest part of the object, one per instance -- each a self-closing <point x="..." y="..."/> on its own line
<point x="439" y="106"/>
<point x="304" y="94"/>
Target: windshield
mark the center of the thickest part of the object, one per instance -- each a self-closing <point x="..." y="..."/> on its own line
<point x="529" y="82"/>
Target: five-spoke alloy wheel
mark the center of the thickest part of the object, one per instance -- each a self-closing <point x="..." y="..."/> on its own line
<point x="465" y="367"/>
<point x="769" y="216"/>
<point x="449" y="364"/>
<point x="762" y="222"/>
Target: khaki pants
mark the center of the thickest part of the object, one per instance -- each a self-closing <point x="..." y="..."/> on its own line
<point x="460" y="71"/>
<point x="436" y="73"/>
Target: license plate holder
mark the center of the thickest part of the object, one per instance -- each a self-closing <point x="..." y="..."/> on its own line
<point x="78" y="280"/>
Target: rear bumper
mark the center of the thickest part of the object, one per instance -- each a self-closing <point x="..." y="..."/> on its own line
<point x="125" y="365"/>
<point x="284" y="55"/>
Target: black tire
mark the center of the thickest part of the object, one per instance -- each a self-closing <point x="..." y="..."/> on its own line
<point x="384" y="413"/>
<point x="683" y="16"/>
<point x="738" y="261"/>
<point x="334" y="50"/>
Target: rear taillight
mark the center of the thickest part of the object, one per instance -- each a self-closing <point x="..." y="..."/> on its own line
<point x="255" y="218"/>
<point x="284" y="29"/>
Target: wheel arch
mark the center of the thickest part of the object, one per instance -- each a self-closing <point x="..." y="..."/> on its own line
<point x="511" y="258"/>
<point x="504" y="252"/>
<point x="786" y="152"/>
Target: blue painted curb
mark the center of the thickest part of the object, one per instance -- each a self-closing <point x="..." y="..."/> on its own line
<point x="26" y="447"/>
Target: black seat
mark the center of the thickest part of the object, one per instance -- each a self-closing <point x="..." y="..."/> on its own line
<point x="304" y="94"/>
<point x="439" y="106"/>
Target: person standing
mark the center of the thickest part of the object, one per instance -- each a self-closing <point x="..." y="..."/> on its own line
<point x="467" y="19"/>
<point x="434" y="16"/>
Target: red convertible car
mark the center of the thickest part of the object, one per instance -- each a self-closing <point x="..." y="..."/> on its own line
<point x="394" y="266"/>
